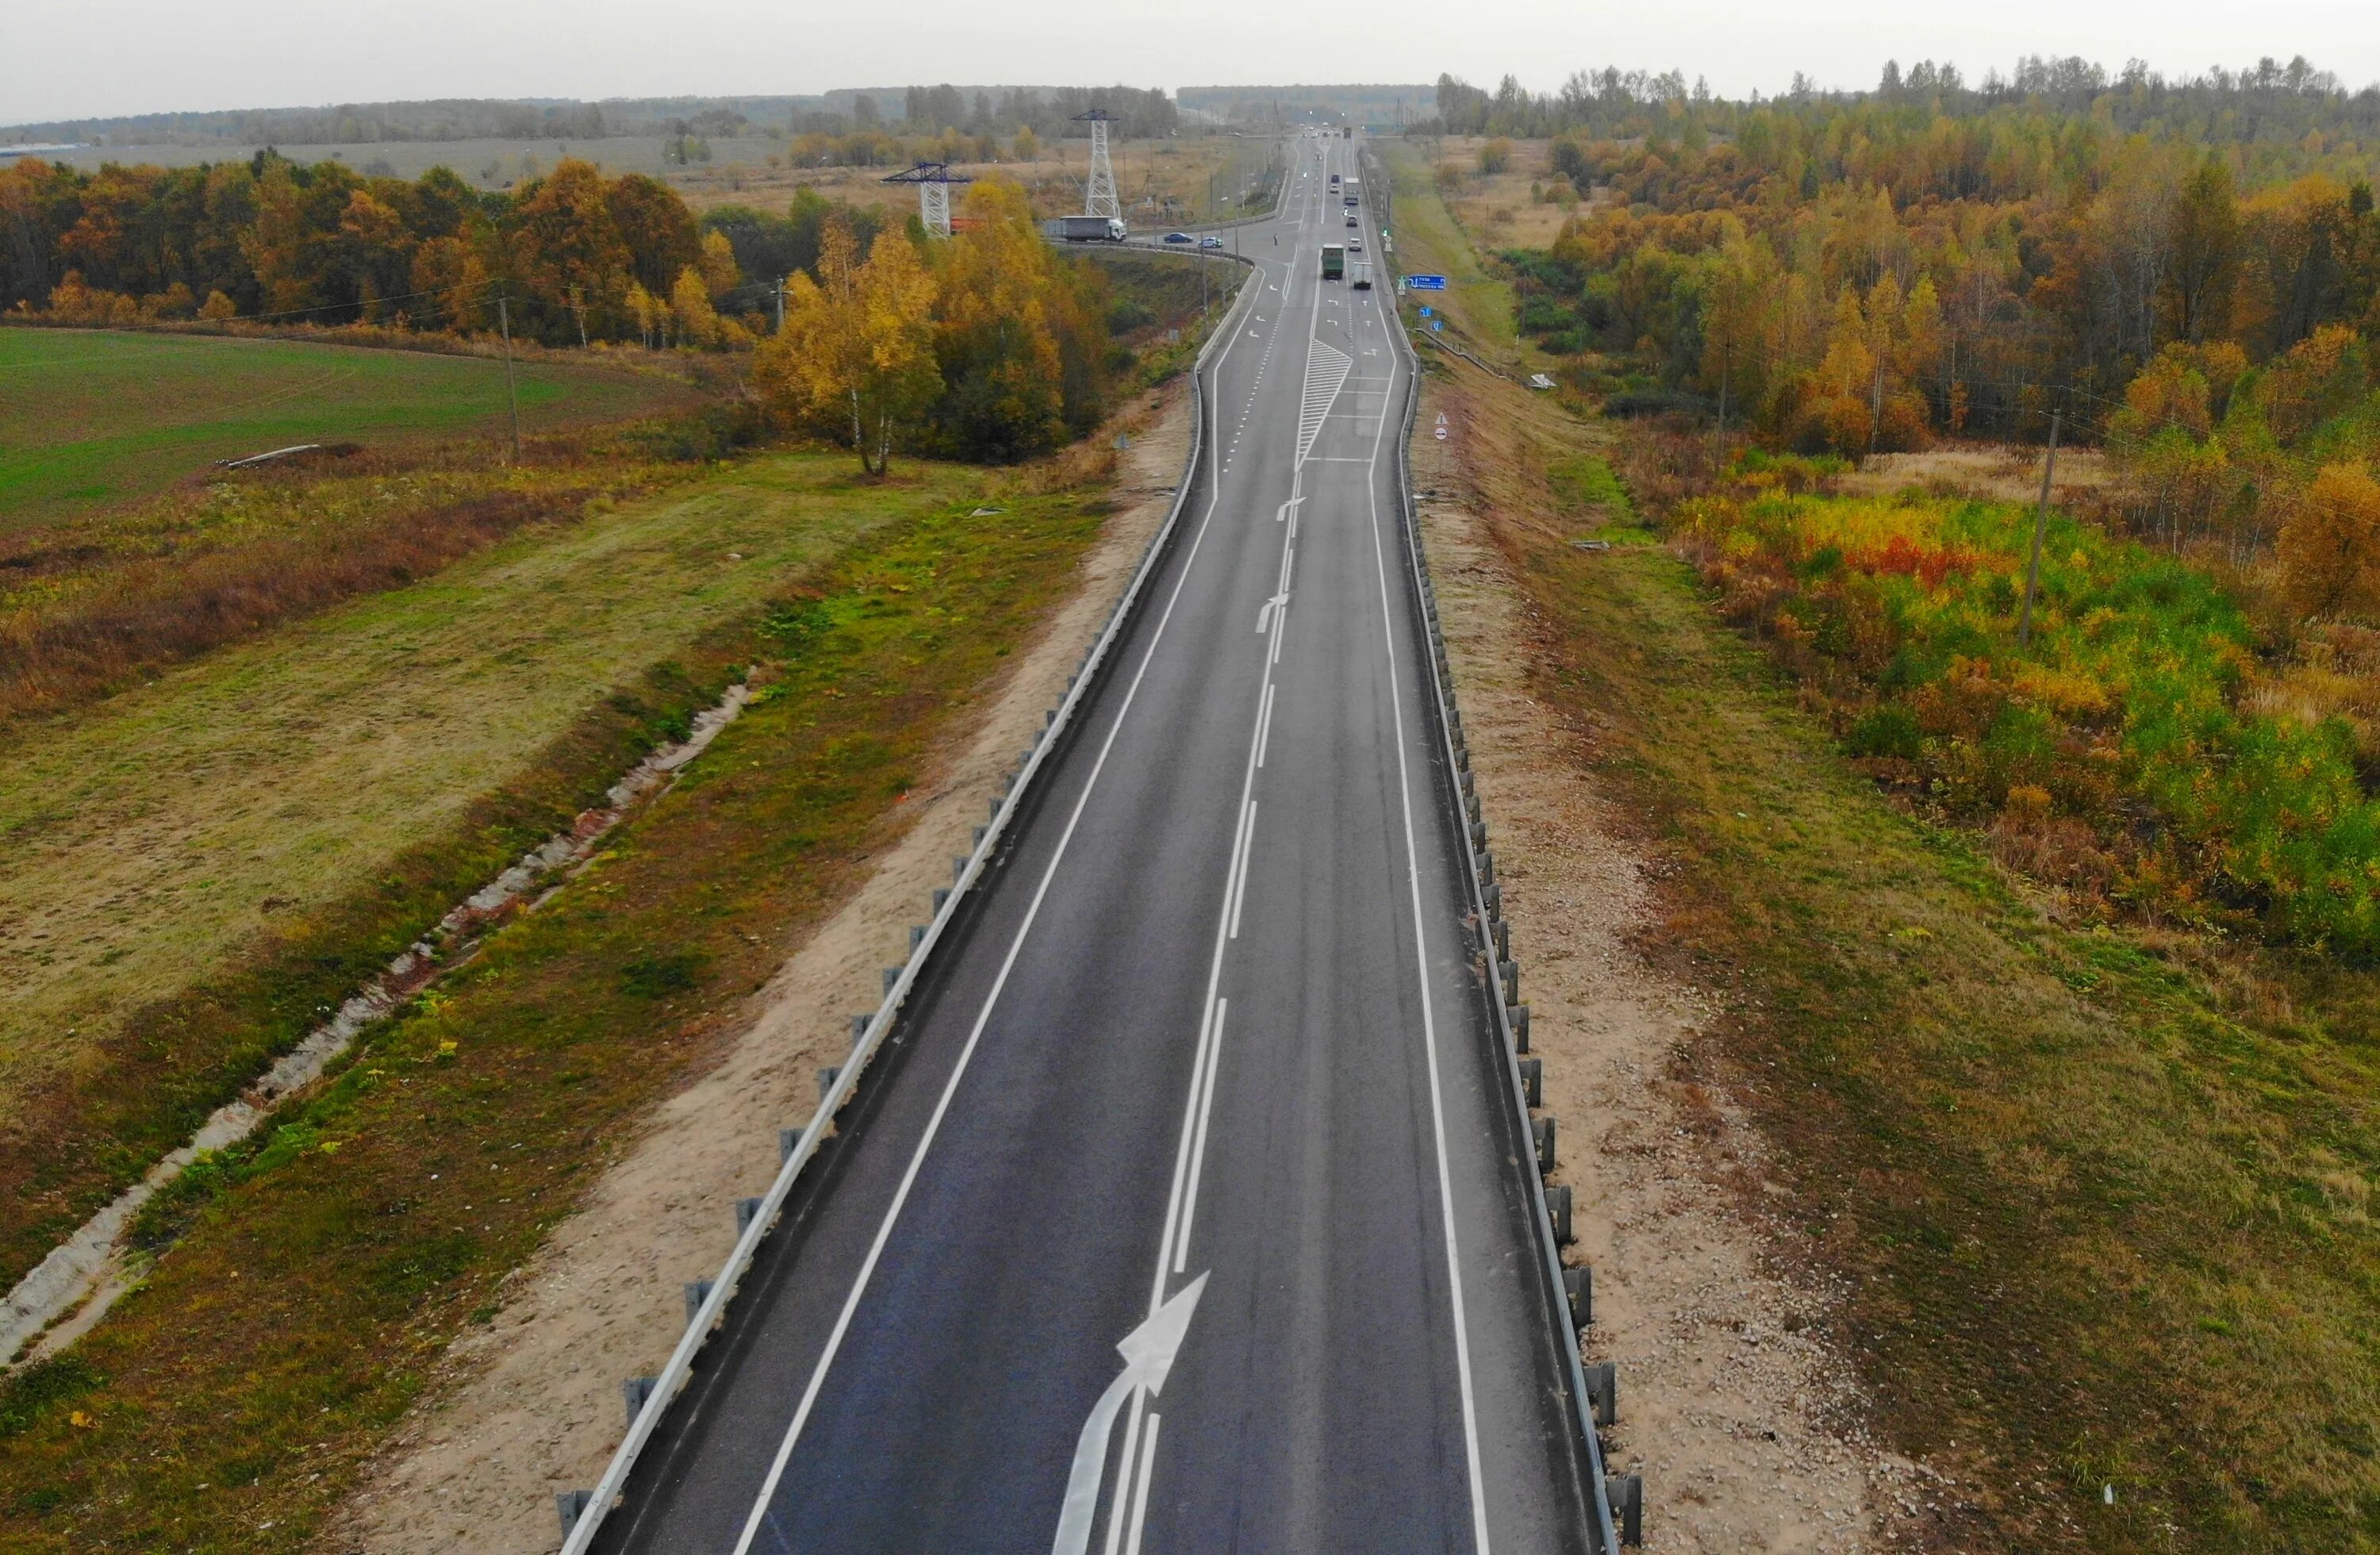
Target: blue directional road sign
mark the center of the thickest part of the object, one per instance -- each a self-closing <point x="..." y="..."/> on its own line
<point x="1436" y="325"/>
<point x="1425" y="310"/>
<point x="1428" y="283"/>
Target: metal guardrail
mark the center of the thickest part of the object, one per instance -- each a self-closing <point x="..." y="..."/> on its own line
<point x="762" y="1216"/>
<point x="1449" y="721"/>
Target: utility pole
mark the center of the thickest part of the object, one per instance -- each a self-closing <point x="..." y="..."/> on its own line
<point x="2040" y="521"/>
<point x="782" y="280"/>
<point x="1726" y="360"/>
<point x="512" y="387"/>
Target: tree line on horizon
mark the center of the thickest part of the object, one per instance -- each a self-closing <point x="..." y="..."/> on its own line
<point x="988" y="346"/>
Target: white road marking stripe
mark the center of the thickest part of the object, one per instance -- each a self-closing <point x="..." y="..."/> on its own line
<point x="1140" y="1498"/>
<point x="1199" y="1151"/>
<point x="1247" y="846"/>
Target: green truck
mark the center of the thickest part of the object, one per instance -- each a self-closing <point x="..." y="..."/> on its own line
<point x="1334" y="261"/>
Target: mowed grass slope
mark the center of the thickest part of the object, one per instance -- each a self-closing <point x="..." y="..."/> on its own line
<point x="159" y="839"/>
<point x="90" y="417"/>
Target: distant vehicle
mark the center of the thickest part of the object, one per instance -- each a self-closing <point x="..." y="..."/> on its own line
<point x="1334" y="262"/>
<point x="1177" y="238"/>
<point x="1210" y="241"/>
<point x="1355" y="245"/>
<point x="1351" y="218"/>
<point x="1334" y="180"/>
<point x="1360" y="275"/>
<point x="1085" y="229"/>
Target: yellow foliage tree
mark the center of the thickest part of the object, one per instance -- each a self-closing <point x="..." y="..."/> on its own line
<point x="2330" y="547"/>
<point x="697" y="321"/>
<point x="720" y="273"/>
<point x="857" y="348"/>
<point x="217" y="308"/>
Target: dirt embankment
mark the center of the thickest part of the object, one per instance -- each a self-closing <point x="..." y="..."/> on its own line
<point x="531" y="1404"/>
<point x="1732" y="1405"/>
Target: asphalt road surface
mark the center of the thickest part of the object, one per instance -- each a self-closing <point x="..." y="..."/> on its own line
<point x="1206" y="1073"/>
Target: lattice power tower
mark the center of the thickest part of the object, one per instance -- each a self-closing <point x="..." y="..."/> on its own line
<point x="933" y="181"/>
<point x="1100" y="194"/>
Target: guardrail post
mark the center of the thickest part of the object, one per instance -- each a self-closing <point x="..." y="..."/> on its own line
<point x="1626" y="1492"/>
<point x="746" y="1208"/>
<point x="1603" y="1392"/>
<point x="697" y="1292"/>
<point x="858" y="1028"/>
<point x="826" y="1079"/>
<point x="891" y="976"/>
<point x="1578" y="1285"/>
<point x="1544" y="1130"/>
<point x="1558" y="1214"/>
<point x="636" y="1391"/>
<point x="788" y="1139"/>
<point x="1533" y="1081"/>
<point x="571" y="1505"/>
<point x="1519" y="1016"/>
<point x="1508" y="971"/>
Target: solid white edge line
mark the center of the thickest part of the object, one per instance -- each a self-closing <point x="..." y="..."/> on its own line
<point x="884" y="1231"/>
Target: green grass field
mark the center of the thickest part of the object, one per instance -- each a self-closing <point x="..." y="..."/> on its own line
<point x="90" y="417"/>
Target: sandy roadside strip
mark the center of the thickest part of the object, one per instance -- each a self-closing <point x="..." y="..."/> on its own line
<point x="531" y="1406"/>
<point x="1742" y="1423"/>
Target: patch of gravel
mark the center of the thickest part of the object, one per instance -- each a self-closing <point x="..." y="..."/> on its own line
<point x="531" y="1406"/>
<point x="1743" y="1420"/>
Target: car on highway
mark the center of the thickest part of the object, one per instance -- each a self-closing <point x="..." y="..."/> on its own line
<point x="1177" y="238"/>
<point x="1351" y="218"/>
<point x="1210" y="241"/>
<point x="1355" y="245"/>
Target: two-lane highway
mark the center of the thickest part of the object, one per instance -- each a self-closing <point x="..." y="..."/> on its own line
<point x="1189" y="1182"/>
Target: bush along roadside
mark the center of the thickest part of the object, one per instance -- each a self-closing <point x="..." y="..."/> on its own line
<point x="225" y="1403"/>
<point x="2112" y="756"/>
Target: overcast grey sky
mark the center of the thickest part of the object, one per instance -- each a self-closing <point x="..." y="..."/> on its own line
<point x="73" y="58"/>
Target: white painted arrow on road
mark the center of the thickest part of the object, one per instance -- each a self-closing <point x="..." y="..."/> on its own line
<point x="1149" y="1353"/>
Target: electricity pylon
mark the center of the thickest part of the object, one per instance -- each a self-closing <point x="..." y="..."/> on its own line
<point x="933" y="181"/>
<point x="1100" y="194"/>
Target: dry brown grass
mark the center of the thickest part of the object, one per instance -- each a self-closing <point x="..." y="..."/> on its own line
<point x="1986" y="472"/>
<point x="1523" y="207"/>
<point x="94" y="605"/>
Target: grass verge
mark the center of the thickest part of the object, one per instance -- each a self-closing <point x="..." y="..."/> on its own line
<point x="226" y="1405"/>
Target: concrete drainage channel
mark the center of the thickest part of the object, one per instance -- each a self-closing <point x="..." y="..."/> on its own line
<point x="1618" y="1501"/>
<point x="72" y="1288"/>
<point x="647" y="1398"/>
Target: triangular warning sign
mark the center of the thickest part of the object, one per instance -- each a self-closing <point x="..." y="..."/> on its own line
<point x="1441" y="418"/>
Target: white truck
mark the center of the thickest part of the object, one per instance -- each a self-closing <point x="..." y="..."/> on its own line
<point x="1085" y="229"/>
